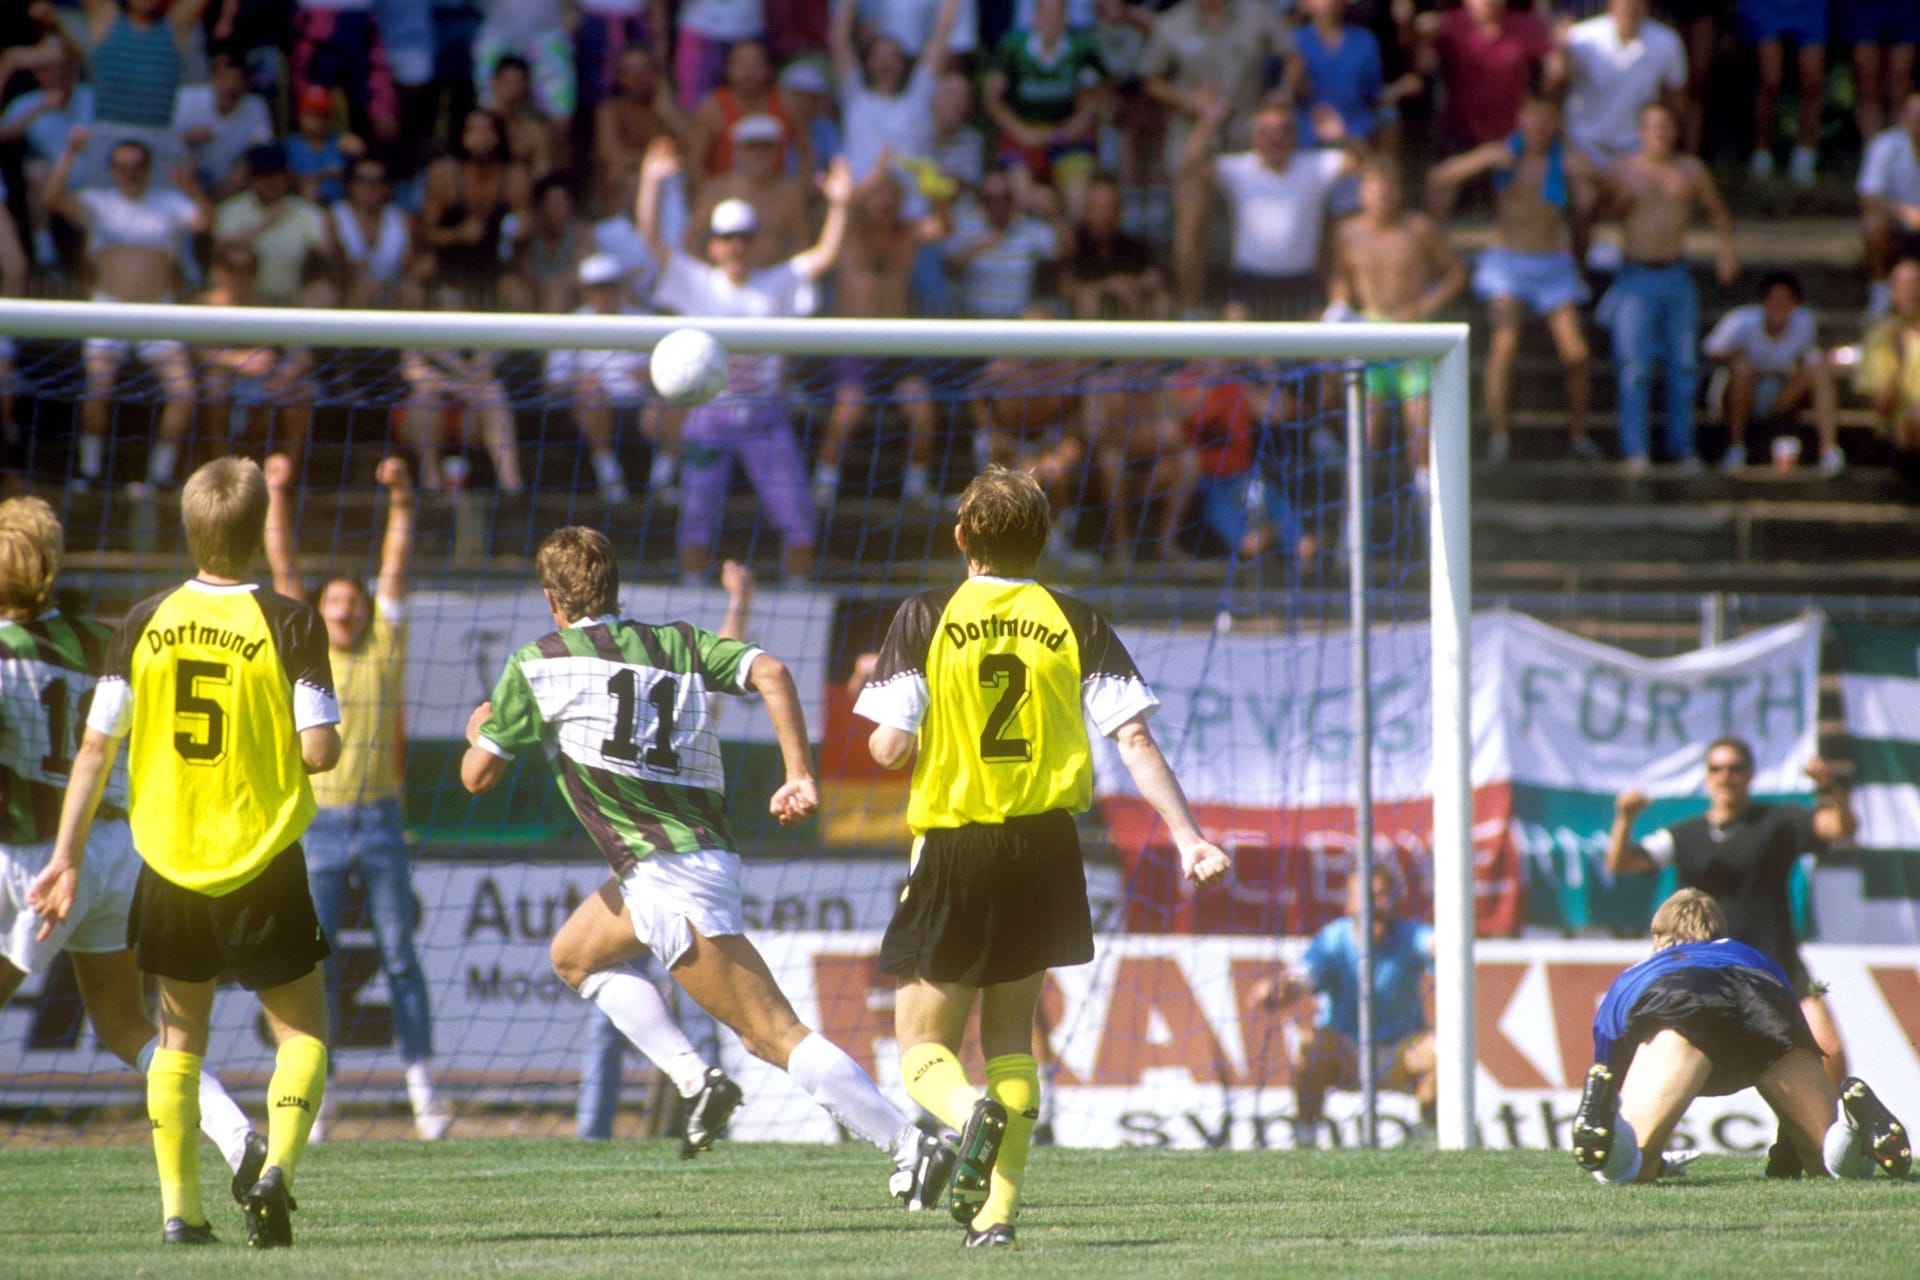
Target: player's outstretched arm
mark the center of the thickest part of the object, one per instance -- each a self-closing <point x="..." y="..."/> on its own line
<point x="283" y="556"/>
<point x="396" y="546"/>
<point x="1201" y="861"/>
<point x="736" y="580"/>
<point x="799" y="795"/>
<point x="51" y="894"/>
<point x="1624" y="857"/>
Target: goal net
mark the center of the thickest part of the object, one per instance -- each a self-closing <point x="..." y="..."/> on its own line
<point x="1204" y="479"/>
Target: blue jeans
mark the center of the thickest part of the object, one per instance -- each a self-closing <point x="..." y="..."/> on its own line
<point x="1654" y="315"/>
<point x="364" y="842"/>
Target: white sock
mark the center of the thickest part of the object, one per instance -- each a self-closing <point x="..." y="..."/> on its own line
<point x="1845" y="1151"/>
<point x="420" y="1094"/>
<point x="916" y="484"/>
<point x="1623" y="1162"/>
<point x="635" y="1006"/>
<point x="660" y="474"/>
<point x="160" y="462"/>
<point x="837" y="1083"/>
<point x="221" y="1118"/>
<point x="606" y="467"/>
<point x="826" y="476"/>
<point x="93" y="455"/>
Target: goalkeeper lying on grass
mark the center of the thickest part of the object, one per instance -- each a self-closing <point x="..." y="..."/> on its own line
<point x="1708" y="1015"/>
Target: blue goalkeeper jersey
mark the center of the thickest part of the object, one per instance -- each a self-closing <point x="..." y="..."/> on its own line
<point x="1616" y="1008"/>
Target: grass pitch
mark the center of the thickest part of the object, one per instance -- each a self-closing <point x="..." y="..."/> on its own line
<point x="541" y="1207"/>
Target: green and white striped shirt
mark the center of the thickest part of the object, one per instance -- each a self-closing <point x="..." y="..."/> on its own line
<point x="48" y="668"/>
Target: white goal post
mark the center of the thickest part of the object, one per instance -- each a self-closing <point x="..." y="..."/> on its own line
<point x="1445" y="345"/>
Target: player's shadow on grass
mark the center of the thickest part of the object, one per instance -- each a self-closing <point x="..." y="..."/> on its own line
<point x="681" y="1233"/>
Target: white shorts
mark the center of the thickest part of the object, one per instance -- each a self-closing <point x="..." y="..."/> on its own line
<point x="669" y="895"/>
<point x="151" y="350"/>
<point x="98" y="921"/>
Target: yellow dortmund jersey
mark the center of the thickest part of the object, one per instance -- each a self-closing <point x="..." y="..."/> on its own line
<point x="367" y="680"/>
<point x="999" y="678"/>
<point x="214" y="685"/>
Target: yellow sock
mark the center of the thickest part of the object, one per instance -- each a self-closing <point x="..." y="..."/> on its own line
<point x="1013" y="1080"/>
<point x="293" y="1099"/>
<point x="936" y="1081"/>
<point x="173" y="1107"/>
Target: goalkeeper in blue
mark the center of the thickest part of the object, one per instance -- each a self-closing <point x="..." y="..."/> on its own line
<point x="620" y="709"/>
<point x="1708" y="1015"/>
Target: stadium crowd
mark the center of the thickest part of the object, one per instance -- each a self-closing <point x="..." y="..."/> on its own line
<point x="1092" y="158"/>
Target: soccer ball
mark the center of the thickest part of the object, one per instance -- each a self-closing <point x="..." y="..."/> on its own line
<point x="688" y="367"/>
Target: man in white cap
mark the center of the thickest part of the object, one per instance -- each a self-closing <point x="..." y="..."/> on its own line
<point x="600" y="381"/>
<point x="779" y="201"/>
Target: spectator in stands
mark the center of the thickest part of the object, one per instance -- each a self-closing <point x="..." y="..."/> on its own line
<point x="639" y="109"/>
<point x="1889" y="190"/>
<point x="455" y="399"/>
<point x="1768" y="26"/>
<point x="539" y="33"/>
<point x="1529" y="266"/>
<point x="1111" y="275"/>
<point x="1031" y="415"/>
<point x="337" y="46"/>
<point x="317" y="156"/>
<point x="36" y="38"/>
<point x="886" y="100"/>
<point x="1132" y="124"/>
<point x="1395" y="266"/>
<point x="606" y="30"/>
<point x="749" y="420"/>
<point x="1774" y="367"/>
<point x="706" y="34"/>
<point x="1883" y="34"/>
<point x="219" y="122"/>
<point x="757" y="177"/>
<point x="533" y="141"/>
<point x="749" y="91"/>
<point x="469" y="196"/>
<point x="375" y="238"/>
<point x="1889" y="373"/>
<point x="551" y="255"/>
<point x="1342" y="75"/>
<point x="1487" y="59"/>
<point x="1041" y="94"/>
<point x="266" y="388"/>
<point x="1278" y="197"/>
<point x="139" y="50"/>
<point x="1698" y="24"/>
<point x="997" y="248"/>
<point x="134" y="235"/>
<point x="1202" y="47"/>
<point x="1653" y="310"/>
<point x="805" y="89"/>
<point x="1142" y="456"/>
<point x="1402" y="1032"/>
<point x="1617" y="63"/>
<point x="872" y="278"/>
<point x="289" y="234"/>
<point x="599" y="383"/>
<point x="45" y="117"/>
<point x="958" y="149"/>
<point x="408" y="38"/>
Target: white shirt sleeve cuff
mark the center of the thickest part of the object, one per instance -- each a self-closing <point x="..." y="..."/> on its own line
<point x="492" y="748"/>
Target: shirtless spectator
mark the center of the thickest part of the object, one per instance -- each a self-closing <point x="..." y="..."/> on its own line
<point x="757" y="177"/>
<point x="1278" y="196"/>
<point x="1768" y="26"/>
<point x="1529" y="266"/>
<point x="1889" y="190"/>
<point x="375" y="238"/>
<point x="260" y="394"/>
<point x="639" y="110"/>
<point x="1040" y="93"/>
<point x="1889" y="373"/>
<point x="600" y="382"/>
<point x="1617" y="63"/>
<point x="1775" y="367"/>
<point x="1200" y="48"/>
<point x="1111" y="275"/>
<point x="550" y="256"/>
<point x="1396" y="266"/>
<point x="873" y="273"/>
<point x="455" y="399"/>
<point x="1031" y="414"/>
<point x="1653" y="310"/>
<point x="290" y="235"/>
<point x="219" y="122"/>
<point x="886" y="98"/>
<point x="1142" y="458"/>
<point x="996" y="250"/>
<point x="749" y="91"/>
<point x="533" y="142"/>
<point x="134" y="234"/>
<point x="1488" y="58"/>
<point x="1883" y="34"/>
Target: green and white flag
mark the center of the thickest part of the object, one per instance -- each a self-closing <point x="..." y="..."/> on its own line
<point x="1880" y="686"/>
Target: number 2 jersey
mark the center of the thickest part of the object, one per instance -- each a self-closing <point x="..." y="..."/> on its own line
<point x="214" y="684"/>
<point x="48" y="668"/>
<point x="620" y="707"/>
<point x="999" y="678"/>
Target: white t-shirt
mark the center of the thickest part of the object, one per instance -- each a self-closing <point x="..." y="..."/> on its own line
<point x="1891" y="169"/>
<point x="622" y="375"/>
<point x="727" y="21"/>
<point x="156" y="220"/>
<point x="696" y="289"/>
<point x="247" y="125"/>
<point x="384" y="258"/>
<point x="874" y="121"/>
<point x="1277" y="217"/>
<point x="1609" y="82"/>
<point x="1743" y="331"/>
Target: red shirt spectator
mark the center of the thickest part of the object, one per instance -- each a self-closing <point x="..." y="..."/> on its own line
<point x="1219" y="421"/>
<point x="1487" y="58"/>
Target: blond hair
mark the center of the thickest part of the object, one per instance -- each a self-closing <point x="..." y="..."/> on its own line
<point x="1688" y="916"/>
<point x="1004" y="520"/>
<point x="224" y="510"/>
<point x="32" y="550"/>
<point x="577" y="567"/>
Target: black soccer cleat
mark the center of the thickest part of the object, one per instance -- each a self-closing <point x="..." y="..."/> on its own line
<point x="1783" y="1160"/>
<point x="180" y="1231"/>
<point x="253" y="1162"/>
<point x="707" y="1118"/>
<point x="932" y="1169"/>
<point x="997" y="1236"/>
<point x="1886" y="1137"/>
<point x="269" y="1212"/>
<point x="973" y="1169"/>
<point x="1595" y="1122"/>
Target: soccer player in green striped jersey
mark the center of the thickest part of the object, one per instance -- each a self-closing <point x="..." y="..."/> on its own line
<point x="620" y="709"/>
<point x="49" y="664"/>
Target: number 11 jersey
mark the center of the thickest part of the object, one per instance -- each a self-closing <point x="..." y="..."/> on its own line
<point x="999" y="678"/>
<point x="620" y="707"/>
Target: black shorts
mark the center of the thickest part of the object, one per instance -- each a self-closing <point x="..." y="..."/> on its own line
<point x="265" y="932"/>
<point x="992" y="904"/>
<point x="1742" y="1019"/>
<point x="1301" y="297"/>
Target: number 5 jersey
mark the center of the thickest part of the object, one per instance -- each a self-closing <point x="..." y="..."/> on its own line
<point x="620" y="708"/>
<point x="213" y="685"/>
<point x="999" y="678"/>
